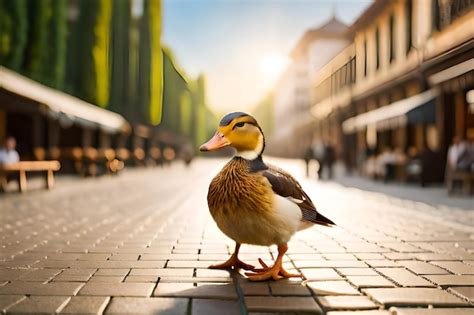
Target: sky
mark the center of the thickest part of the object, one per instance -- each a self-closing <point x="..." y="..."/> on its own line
<point x="243" y="46"/>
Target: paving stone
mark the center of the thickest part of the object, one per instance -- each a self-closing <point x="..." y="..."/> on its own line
<point x="39" y="304"/>
<point x="404" y="278"/>
<point x="173" y="289"/>
<point x="71" y="278"/>
<point x="331" y="288"/>
<point x="202" y="290"/>
<point x="124" y="257"/>
<point x="399" y="256"/>
<point x="189" y="264"/>
<point x="212" y="273"/>
<point x="41" y="275"/>
<point x="305" y="256"/>
<point x="224" y="257"/>
<point x="371" y="312"/>
<point x="451" y="280"/>
<point x="370" y="282"/>
<point x="282" y="304"/>
<point x="162" y="306"/>
<point x="117" y="264"/>
<point x="433" y="311"/>
<point x="255" y="288"/>
<point x="112" y="272"/>
<point x="364" y="248"/>
<point x="91" y="256"/>
<point x="86" y="305"/>
<point x="11" y="274"/>
<point x="456" y="267"/>
<point x="331" y="263"/>
<point x="433" y="256"/>
<point x="369" y="256"/>
<point x="117" y="289"/>
<point x="321" y="274"/>
<point x="167" y="272"/>
<point x="142" y="279"/>
<point x="466" y="292"/>
<point x="36" y="288"/>
<point x="108" y="279"/>
<point x="214" y="307"/>
<point x="278" y="289"/>
<point x="340" y="256"/>
<point x="422" y="268"/>
<point x="8" y="300"/>
<point x="169" y="257"/>
<point x="357" y="271"/>
<point x="414" y="297"/>
<point x="346" y="303"/>
<point x="382" y="263"/>
<point x="401" y="247"/>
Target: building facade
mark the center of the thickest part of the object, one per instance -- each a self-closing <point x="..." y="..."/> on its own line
<point x="402" y="83"/>
<point x="293" y="93"/>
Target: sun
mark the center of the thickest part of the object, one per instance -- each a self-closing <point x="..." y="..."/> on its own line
<point x="271" y="66"/>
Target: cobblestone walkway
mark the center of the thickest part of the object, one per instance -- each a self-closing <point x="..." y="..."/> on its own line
<point x="141" y="243"/>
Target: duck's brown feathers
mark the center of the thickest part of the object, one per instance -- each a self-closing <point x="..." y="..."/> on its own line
<point x="237" y="186"/>
<point x="286" y="186"/>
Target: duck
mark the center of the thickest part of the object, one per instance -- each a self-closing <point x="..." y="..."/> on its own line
<point x="253" y="202"/>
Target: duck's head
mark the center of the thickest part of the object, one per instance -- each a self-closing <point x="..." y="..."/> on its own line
<point x="240" y="131"/>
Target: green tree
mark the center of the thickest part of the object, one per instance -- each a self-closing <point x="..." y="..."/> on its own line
<point x="101" y="54"/>
<point x="156" y="97"/>
<point x="57" y="45"/>
<point x="144" y="63"/>
<point x="36" y="56"/>
<point x="13" y="33"/>
<point x="119" y="54"/>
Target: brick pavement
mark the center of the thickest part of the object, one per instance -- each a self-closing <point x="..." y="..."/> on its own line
<point x="141" y="242"/>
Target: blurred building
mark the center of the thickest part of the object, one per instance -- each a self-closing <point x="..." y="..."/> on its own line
<point x="400" y="84"/>
<point x="293" y="93"/>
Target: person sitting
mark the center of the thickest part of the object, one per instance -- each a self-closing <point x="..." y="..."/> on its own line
<point x="465" y="161"/>
<point x="8" y="154"/>
<point x="455" y="151"/>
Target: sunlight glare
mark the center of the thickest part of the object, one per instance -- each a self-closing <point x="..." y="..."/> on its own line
<point x="271" y="66"/>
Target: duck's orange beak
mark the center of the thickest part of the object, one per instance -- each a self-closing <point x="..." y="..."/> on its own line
<point x="216" y="142"/>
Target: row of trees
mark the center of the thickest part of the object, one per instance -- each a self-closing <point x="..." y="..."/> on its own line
<point x="109" y="53"/>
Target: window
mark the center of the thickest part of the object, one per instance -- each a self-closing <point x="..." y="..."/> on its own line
<point x="444" y="12"/>
<point x="409" y="24"/>
<point x="353" y="70"/>
<point x="434" y="15"/>
<point x="365" y="58"/>
<point x="377" y="48"/>
<point x="391" y="35"/>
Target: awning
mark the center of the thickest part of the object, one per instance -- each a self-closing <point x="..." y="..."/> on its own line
<point x="64" y="107"/>
<point x="452" y="72"/>
<point x="419" y="108"/>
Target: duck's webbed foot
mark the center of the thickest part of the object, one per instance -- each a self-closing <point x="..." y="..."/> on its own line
<point x="233" y="262"/>
<point x="276" y="272"/>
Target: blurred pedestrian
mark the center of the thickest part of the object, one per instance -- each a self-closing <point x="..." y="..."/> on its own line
<point x="329" y="159"/>
<point x="308" y="156"/>
<point x="318" y="155"/>
<point x="8" y="153"/>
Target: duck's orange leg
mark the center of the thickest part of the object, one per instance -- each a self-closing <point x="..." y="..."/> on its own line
<point x="233" y="262"/>
<point x="276" y="272"/>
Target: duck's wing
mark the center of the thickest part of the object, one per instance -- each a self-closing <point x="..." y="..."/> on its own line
<point x="283" y="184"/>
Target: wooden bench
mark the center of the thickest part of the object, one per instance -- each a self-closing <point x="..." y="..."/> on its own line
<point x="21" y="168"/>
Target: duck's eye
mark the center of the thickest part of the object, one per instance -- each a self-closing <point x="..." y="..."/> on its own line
<point x="239" y="124"/>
